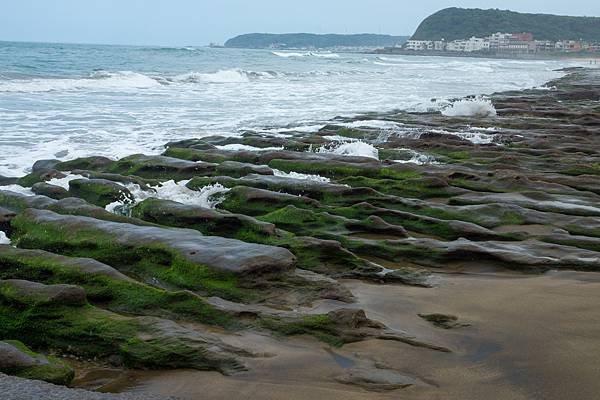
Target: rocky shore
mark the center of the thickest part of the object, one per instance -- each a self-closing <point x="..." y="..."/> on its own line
<point x="155" y="262"/>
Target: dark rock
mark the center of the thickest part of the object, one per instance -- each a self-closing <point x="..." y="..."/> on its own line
<point x="377" y="379"/>
<point x="7" y="180"/>
<point x="443" y="320"/>
<point x="44" y="164"/>
<point x="93" y="163"/>
<point x="5" y="217"/>
<point x="52" y="191"/>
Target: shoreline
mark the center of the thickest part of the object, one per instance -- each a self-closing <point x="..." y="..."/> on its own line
<point x="351" y="269"/>
<point x="497" y="56"/>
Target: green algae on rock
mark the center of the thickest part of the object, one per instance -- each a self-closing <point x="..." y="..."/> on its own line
<point x="17" y="359"/>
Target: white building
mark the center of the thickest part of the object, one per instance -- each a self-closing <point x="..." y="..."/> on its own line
<point x="469" y="45"/>
<point x="419" y="45"/>
<point x="439" y="45"/>
<point x="500" y="41"/>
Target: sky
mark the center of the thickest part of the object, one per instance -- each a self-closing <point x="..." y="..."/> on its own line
<point x="199" y="22"/>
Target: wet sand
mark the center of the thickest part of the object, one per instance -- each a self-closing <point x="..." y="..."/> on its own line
<point x="531" y="337"/>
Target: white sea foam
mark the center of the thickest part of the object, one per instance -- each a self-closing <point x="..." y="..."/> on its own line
<point x="338" y="138"/>
<point x="297" y="175"/>
<point x="98" y="81"/>
<point x="488" y="129"/>
<point x="18" y="189"/>
<point x="475" y="107"/>
<point x="244" y="147"/>
<point x="305" y="54"/>
<point x="222" y="76"/>
<point x="372" y="124"/>
<point x="3" y="238"/>
<point x="64" y="182"/>
<point x="355" y="148"/>
<point x="473" y="137"/>
<point x="417" y="158"/>
<point x="206" y="197"/>
<point x="282" y="131"/>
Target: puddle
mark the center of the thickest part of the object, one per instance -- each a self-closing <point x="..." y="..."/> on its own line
<point x="342" y="361"/>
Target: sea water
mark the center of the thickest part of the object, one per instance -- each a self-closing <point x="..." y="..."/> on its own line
<point x="66" y="101"/>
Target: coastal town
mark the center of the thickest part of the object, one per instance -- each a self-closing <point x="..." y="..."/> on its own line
<point x="516" y="43"/>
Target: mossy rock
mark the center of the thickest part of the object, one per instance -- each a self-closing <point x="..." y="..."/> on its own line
<point x="52" y="191"/>
<point x="141" y="342"/>
<point x="108" y="287"/>
<point x="254" y="202"/>
<point x="160" y="167"/>
<point x="178" y="258"/>
<point x="19" y="360"/>
<point x="100" y="192"/>
<point x="41" y="175"/>
<point x="207" y="221"/>
<point x="94" y="163"/>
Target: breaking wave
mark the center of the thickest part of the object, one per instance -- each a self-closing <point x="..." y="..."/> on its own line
<point x="97" y="81"/>
<point x="64" y="182"/>
<point x="222" y="76"/>
<point x="353" y="148"/>
<point x="475" y="107"/>
<point x="416" y="158"/>
<point x="297" y="175"/>
<point x="244" y="147"/>
<point x="306" y="54"/>
<point x="206" y="197"/>
<point x="3" y="238"/>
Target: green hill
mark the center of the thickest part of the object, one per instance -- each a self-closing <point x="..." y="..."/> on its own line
<point x="460" y="23"/>
<point x="309" y="40"/>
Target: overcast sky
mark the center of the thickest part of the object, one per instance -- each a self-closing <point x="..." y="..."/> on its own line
<point x="198" y="22"/>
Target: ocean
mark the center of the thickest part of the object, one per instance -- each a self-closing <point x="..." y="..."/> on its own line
<point x="66" y="101"/>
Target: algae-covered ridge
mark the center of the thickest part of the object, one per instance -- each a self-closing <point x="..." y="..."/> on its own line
<point x="161" y="282"/>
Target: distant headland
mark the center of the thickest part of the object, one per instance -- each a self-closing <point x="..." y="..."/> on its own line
<point x="500" y="33"/>
<point x="314" y="41"/>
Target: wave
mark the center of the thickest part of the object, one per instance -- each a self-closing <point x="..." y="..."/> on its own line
<point x="473" y="136"/>
<point x="299" y="176"/>
<point x="3" y="238"/>
<point x="391" y="59"/>
<point x="64" y="182"/>
<point x="476" y="107"/>
<point x="99" y="80"/>
<point x="372" y="124"/>
<point x="244" y="147"/>
<point x="207" y="197"/>
<point x="130" y="81"/>
<point x="306" y="54"/>
<point x="416" y="158"/>
<point x="222" y="76"/>
<point x="353" y="148"/>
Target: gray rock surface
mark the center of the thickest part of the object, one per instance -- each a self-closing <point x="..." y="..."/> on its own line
<point x="213" y="251"/>
<point x="13" y="388"/>
<point x="13" y="358"/>
<point x="27" y="292"/>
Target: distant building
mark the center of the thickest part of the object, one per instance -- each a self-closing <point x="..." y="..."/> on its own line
<point x="419" y="45"/>
<point x="542" y="46"/>
<point x="499" y="41"/>
<point x="469" y="45"/>
<point x="503" y="42"/>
